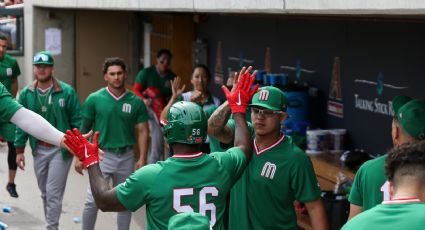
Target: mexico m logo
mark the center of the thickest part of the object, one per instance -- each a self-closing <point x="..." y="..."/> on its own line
<point x="126" y="108"/>
<point x="268" y="170"/>
<point x="61" y="102"/>
<point x="264" y="95"/>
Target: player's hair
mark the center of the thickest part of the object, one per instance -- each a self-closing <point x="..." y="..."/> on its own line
<point x="3" y="37"/>
<point x="164" y="52"/>
<point x="406" y="160"/>
<point x="111" y="61"/>
<point x="202" y="67"/>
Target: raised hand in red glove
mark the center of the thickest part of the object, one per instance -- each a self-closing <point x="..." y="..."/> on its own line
<point x="239" y="98"/>
<point x="87" y="152"/>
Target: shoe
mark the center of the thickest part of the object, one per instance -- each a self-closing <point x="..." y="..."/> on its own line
<point x="11" y="188"/>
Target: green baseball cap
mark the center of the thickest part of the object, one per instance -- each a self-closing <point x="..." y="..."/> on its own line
<point x="43" y="58"/>
<point x="270" y="97"/>
<point x="398" y="102"/>
<point x="189" y="220"/>
<point x="412" y="118"/>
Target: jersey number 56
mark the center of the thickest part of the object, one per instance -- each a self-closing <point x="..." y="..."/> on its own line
<point x="203" y="205"/>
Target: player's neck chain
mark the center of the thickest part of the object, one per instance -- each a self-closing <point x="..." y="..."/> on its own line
<point x="44" y="99"/>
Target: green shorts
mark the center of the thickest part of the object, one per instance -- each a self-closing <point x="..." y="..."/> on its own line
<point x="7" y="131"/>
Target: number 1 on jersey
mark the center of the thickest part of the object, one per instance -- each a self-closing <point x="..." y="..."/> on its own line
<point x="203" y="205"/>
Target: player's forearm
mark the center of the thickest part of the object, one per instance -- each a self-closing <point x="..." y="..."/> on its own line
<point x="164" y="112"/>
<point x="317" y="214"/>
<point x="37" y="127"/>
<point x="354" y="211"/>
<point x="243" y="138"/>
<point x="104" y="196"/>
<point x="217" y="124"/>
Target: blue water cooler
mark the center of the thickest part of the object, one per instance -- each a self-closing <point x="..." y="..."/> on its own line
<point x="298" y="104"/>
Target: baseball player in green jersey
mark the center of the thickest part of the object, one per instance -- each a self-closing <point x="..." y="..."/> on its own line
<point x="278" y="174"/>
<point x="9" y="72"/>
<point x="57" y="102"/>
<point x="117" y="114"/>
<point x="28" y="121"/>
<point x="189" y="181"/>
<point x="152" y="84"/>
<point x="370" y="186"/>
<point x="158" y="76"/>
<point x="405" y="170"/>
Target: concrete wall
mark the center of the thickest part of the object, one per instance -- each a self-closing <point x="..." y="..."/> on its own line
<point x="63" y="20"/>
<point x="245" y="6"/>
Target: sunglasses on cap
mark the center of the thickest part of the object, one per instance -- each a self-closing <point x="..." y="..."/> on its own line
<point x="264" y="112"/>
<point x="41" y="57"/>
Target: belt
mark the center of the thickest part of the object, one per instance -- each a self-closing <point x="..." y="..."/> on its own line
<point x="118" y="150"/>
<point x="45" y="144"/>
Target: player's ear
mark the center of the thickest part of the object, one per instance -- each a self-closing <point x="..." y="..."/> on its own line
<point x="283" y="116"/>
<point x="395" y="132"/>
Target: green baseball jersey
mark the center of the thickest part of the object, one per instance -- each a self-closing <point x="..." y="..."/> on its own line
<point x="8" y="106"/>
<point x="396" y="215"/>
<point x="370" y="186"/>
<point x="275" y="177"/>
<point x="184" y="183"/>
<point x="7" y="131"/>
<point x="9" y="69"/>
<point x="150" y="77"/>
<point x="115" y="118"/>
<point x="60" y="107"/>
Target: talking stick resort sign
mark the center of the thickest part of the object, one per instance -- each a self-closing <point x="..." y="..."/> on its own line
<point x="374" y="105"/>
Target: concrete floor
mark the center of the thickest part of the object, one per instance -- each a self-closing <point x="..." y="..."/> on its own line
<point x="27" y="210"/>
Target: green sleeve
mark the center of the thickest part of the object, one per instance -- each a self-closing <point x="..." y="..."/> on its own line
<point x="88" y="110"/>
<point x="142" y="114"/>
<point x="141" y="77"/>
<point x="21" y="137"/>
<point x="355" y="196"/>
<point x="88" y="114"/>
<point x="15" y="69"/>
<point x="134" y="192"/>
<point x="74" y="109"/>
<point x="303" y="179"/>
<point x="8" y="106"/>
<point x="233" y="160"/>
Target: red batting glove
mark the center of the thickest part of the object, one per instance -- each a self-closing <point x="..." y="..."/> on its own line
<point x="241" y="97"/>
<point x="87" y="152"/>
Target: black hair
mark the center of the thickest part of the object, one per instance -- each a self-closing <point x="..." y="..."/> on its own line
<point x="202" y="66"/>
<point x="4" y="37"/>
<point x="406" y="160"/>
<point x="164" y="52"/>
<point x="111" y="61"/>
